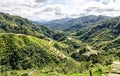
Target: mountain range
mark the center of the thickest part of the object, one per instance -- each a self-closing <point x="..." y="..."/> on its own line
<point x="73" y="24"/>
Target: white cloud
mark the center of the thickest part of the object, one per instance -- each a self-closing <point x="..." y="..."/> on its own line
<point x="51" y="9"/>
<point x="106" y="1"/>
<point x="42" y="0"/>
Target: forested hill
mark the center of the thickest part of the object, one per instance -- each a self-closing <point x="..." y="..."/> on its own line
<point x="19" y="25"/>
<point x="19" y="51"/>
<point x="104" y="35"/>
<point x="24" y="45"/>
<point x="73" y="24"/>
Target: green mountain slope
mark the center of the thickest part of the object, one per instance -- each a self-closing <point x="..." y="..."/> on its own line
<point x="102" y="34"/>
<point x="16" y="24"/>
<point x="19" y="25"/>
<point x="69" y="24"/>
<point x="22" y="51"/>
<point x="24" y="45"/>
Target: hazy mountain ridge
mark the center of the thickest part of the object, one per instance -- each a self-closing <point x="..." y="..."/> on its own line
<point x="70" y="24"/>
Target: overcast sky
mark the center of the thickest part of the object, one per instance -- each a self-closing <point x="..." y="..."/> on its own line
<point x="56" y="9"/>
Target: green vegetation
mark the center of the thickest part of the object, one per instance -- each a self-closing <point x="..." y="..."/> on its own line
<point x="103" y="37"/>
<point x="19" y="25"/>
<point x="28" y="49"/>
<point x="24" y="52"/>
<point x="70" y="25"/>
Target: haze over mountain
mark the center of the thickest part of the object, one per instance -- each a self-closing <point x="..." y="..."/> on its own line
<point x="69" y="24"/>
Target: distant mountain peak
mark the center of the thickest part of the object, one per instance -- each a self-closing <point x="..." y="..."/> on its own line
<point x="72" y="24"/>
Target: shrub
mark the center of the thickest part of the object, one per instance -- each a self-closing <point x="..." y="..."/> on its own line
<point x="25" y="74"/>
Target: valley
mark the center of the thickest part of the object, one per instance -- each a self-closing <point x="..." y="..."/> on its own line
<point x="69" y="47"/>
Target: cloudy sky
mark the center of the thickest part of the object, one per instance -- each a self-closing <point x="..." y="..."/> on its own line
<point x="56" y="9"/>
